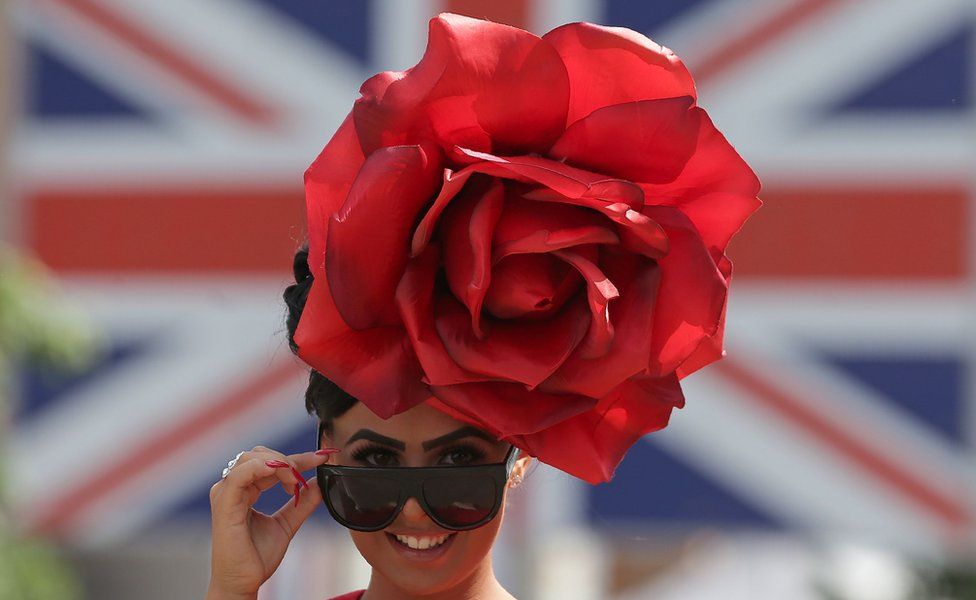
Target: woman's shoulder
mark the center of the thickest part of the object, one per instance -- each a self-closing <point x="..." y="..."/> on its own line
<point x="350" y="596"/>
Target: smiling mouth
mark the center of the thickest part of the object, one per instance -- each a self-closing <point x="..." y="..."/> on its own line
<point x="423" y="543"/>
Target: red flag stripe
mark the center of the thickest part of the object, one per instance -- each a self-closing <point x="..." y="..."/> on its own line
<point x="156" y="230"/>
<point x="857" y="234"/>
<point x="509" y="12"/>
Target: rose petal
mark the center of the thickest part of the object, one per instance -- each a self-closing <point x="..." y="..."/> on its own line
<point x="530" y="285"/>
<point x="327" y="182"/>
<point x="613" y="65"/>
<point x="509" y="407"/>
<point x="710" y="349"/>
<point x="616" y="191"/>
<point x="452" y="184"/>
<point x="691" y="296"/>
<point x="468" y="226"/>
<point x="600" y="291"/>
<point x="525" y="350"/>
<point x="649" y="141"/>
<point x="564" y="179"/>
<point x="533" y="227"/>
<point x="637" y="280"/>
<point x="616" y="199"/>
<point x="549" y="241"/>
<point x="399" y="107"/>
<point x="415" y="302"/>
<point x="574" y="186"/>
<point x="637" y="232"/>
<point x="369" y="236"/>
<point x="717" y="189"/>
<point x="376" y="365"/>
<point x="592" y="444"/>
<point x="478" y="83"/>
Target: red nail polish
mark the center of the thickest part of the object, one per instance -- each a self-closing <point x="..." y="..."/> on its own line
<point x="326" y="451"/>
<point x="299" y="477"/>
<point x="276" y="463"/>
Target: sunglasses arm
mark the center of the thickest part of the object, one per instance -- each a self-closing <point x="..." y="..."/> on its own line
<point x="513" y="455"/>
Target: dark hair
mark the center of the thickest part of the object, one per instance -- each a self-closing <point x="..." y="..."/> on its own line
<point x="323" y="397"/>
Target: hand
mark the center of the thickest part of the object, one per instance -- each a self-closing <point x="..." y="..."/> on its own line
<point x="246" y="545"/>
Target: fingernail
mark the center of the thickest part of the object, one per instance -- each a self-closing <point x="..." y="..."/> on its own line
<point x="299" y="477"/>
<point x="298" y="493"/>
<point x="326" y="451"/>
<point x="276" y="463"/>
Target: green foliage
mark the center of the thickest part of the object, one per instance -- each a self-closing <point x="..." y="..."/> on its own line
<point x="926" y="581"/>
<point x="32" y="570"/>
<point x="35" y="325"/>
<point x="35" y="322"/>
<point x="945" y="582"/>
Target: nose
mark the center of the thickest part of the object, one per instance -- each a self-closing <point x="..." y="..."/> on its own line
<point x="412" y="512"/>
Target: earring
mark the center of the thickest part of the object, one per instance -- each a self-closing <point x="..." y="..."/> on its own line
<point x="516" y="479"/>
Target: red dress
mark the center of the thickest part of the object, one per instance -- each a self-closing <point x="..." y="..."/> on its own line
<point x="350" y="596"/>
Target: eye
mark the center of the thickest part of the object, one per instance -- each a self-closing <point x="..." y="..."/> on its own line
<point x="462" y="454"/>
<point x="374" y="455"/>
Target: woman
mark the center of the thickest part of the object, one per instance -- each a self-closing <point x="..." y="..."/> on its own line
<point x="411" y="557"/>
<point x="516" y="246"/>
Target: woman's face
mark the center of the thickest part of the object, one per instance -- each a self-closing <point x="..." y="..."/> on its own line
<point x="367" y="440"/>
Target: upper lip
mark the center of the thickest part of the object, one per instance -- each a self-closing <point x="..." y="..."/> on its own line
<point x="421" y="534"/>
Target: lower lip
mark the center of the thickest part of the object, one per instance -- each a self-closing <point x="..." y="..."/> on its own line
<point x="421" y="555"/>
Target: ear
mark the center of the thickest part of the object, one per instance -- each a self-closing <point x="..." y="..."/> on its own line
<point x="521" y="465"/>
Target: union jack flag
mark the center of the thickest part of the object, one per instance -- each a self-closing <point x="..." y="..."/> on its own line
<point x="160" y="159"/>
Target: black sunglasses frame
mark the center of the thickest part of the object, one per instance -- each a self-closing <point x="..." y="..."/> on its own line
<point x="411" y="480"/>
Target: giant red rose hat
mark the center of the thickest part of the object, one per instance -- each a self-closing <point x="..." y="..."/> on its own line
<point x="528" y="234"/>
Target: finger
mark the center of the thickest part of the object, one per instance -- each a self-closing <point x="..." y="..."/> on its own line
<point x="264" y="454"/>
<point x="302" y="461"/>
<point x="309" y="460"/>
<point x="245" y="482"/>
<point x="304" y="458"/>
<point x="291" y="517"/>
<point x="275" y="455"/>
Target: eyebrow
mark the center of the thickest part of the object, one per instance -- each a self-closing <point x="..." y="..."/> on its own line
<point x="369" y="434"/>
<point x="456" y="435"/>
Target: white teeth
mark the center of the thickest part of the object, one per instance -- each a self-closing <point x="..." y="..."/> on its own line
<point x="422" y="543"/>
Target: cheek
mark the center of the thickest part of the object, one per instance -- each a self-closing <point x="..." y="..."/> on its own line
<point x="368" y="544"/>
<point x="477" y="544"/>
<point x="472" y="547"/>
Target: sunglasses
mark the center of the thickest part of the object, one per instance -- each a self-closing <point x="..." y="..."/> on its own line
<point x="456" y="498"/>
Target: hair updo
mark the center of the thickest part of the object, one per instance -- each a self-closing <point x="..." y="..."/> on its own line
<point x="323" y="398"/>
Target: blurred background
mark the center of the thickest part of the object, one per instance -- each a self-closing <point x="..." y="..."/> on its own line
<point x="151" y="200"/>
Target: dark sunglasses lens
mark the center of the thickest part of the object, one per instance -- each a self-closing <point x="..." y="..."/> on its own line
<point x="363" y="501"/>
<point x="461" y="500"/>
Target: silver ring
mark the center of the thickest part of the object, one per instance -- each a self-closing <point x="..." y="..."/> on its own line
<point x="230" y="464"/>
